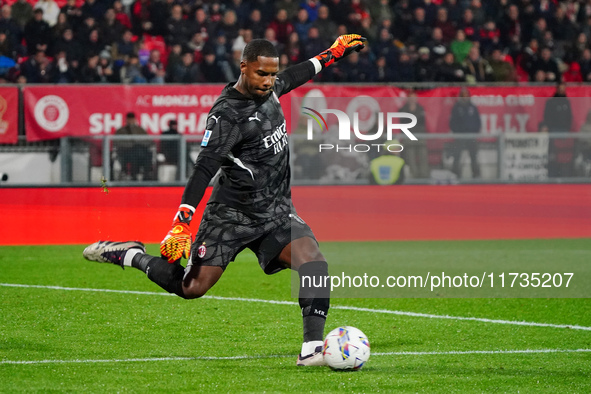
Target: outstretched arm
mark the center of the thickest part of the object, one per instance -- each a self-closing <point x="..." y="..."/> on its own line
<point x="301" y="73"/>
<point x="221" y="135"/>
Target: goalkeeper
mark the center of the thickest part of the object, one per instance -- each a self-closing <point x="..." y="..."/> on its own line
<point x="250" y="206"/>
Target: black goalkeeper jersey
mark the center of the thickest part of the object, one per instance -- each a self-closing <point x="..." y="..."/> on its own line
<point x="248" y="139"/>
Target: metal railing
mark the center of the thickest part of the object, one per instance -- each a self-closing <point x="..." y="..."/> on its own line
<point x="433" y="159"/>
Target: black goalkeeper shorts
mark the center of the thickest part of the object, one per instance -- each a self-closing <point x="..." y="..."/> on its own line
<point x="224" y="232"/>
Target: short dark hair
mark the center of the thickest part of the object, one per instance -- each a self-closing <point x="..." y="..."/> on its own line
<point x="259" y="47"/>
<point x="130" y="115"/>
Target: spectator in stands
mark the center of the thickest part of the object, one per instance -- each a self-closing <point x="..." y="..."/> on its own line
<point x="153" y="71"/>
<point x="38" y="68"/>
<point x="131" y="72"/>
<point x="477" y="69"/>
<point x="454" y="11"/>
<point x="510" y="27"/>
<point x="50" y="11"/>
<point x="430" y="11"/>
<point x="229" y="27"/>
<point x="315" y="43"/>
<point x="424" y="67"/>
<point x="436" y="45"/>
<point x="384" y="46"/>
<point x="256" y="24"/>
<point x="562" y="27"/>
<point x="449" y="70"/>
<point x="290" y="6"/>
<point x="37" y="33"/>
<point x="120" y="14"/>
<point x="177" y="30"/>
<point x="573" y="73"/>
<point x="22" y="12"/>
<point x="124" y="48"/>
<point x="339" y="11"/>
<point x="489" y="38"/>
<point x="367" y="30"/>
<point x="110" y="28"/>
<point x="140" y="16"/>
<point x="404" y="70"/>
<point x="210" y="68"/>
<point x="187" y="71"/>
<point x="465" y="119"/>
<point x="61" y="25"/>
<point x="302" y="24"/>
<point x="585" y="64"/>
<point x="460" y="47"/>
<point x="502" y="71"/>
<point x="89" y="72"/>
<point x="419" y="30"/>
<point x="94" y="8"/>
<point x="293" y="49"/>
<point x="135" y="157"/>
<point x="574" y="51"/>
<point x="539" y="29"/>
<point x="11" y="27"/>
<point x="448" y="30"/>
<point x="353" y="69"/>
<point x="326" y="27"/>
<point x="159" y="14"/>
<point x="558" y="116"/>
<point x="468" y="25"/>
<point x="73" y="14"/>
<point x="548" y="66"/>
<point x="64" y="72"/>
<point x="478" y="11"/>
<point x="71" y="47"/>
<point x="6" y="50"/>
<point x="379" y="10"/>
<point x="281" y="26"/>
<point x="383" y="71"/>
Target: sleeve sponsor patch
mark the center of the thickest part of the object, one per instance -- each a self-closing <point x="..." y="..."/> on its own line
<point x="206" y="137"/>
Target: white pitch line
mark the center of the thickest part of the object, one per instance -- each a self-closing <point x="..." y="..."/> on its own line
<point x="151" y="359"/>
<point x="340" y="307"/>
<point x="460" y="352"/>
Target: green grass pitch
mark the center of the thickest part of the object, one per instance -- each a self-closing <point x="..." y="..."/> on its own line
<point x="84" y="340"/>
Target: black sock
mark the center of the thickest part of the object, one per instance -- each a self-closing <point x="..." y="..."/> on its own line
<point x="164" y="274"/>
<point x="313" y="328"/>
<point x="314" y="299"/>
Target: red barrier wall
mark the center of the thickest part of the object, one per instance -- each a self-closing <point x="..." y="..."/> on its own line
<point x="30" y="216"/>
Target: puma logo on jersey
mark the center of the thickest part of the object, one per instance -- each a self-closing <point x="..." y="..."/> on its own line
<point x="255" y="117"/>
<point x="216" y="118"/>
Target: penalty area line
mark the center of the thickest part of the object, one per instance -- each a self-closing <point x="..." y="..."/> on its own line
<point x="339" y="307"/>
<point x="230" y="358"/>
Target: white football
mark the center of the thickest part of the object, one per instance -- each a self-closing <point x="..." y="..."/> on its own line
<point x="346" y="348"/>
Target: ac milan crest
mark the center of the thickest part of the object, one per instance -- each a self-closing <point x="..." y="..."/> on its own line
<point x="201" y="251"/>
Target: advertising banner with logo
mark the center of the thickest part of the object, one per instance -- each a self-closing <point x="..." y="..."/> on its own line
<point x="8" y="115"/>
<point x="503" y="109"/>
<point x="54" y="112"/>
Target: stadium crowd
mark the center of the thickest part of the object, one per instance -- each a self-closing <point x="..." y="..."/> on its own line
<point x="188" y="41"/>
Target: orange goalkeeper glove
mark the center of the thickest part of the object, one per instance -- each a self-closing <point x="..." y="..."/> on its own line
<point x="177" y="242"/>
<point x="342" y="47"/>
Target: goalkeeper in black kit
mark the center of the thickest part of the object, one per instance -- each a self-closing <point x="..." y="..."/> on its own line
<point x="250" y="206"/>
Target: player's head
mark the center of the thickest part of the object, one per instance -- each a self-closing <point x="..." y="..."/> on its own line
<point x="258" y="68"/>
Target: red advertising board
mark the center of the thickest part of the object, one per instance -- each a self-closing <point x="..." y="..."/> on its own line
<point x="8" y="115"/>
<point x="58" y="111"/>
